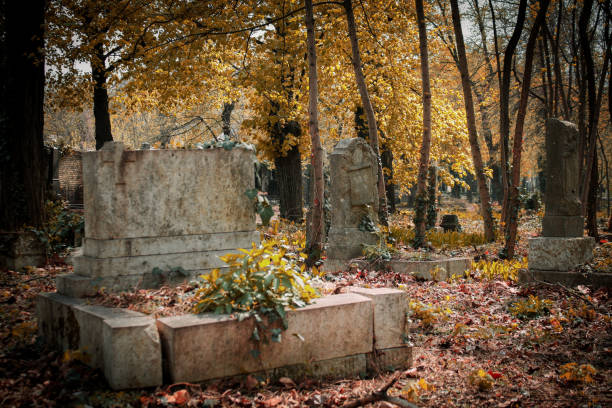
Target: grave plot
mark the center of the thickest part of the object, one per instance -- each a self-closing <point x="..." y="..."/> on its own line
<point x="159" y="217"/>
<point x="354" y="217"/>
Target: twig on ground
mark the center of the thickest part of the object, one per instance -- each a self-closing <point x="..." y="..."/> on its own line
<point x="381" y="395"/>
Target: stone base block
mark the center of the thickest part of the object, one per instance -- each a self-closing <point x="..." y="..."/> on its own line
<point x="390" y="307"/>
<point x="347" y="243"/>
<point x="70" y="324"/>
<point x="75" y="286"/>
<point x="567" y="278"/>
<point x="132" y="353"/>
<point x="559" y="254"/>
<point x="562" y="226"/>
<point x="391" y="359"/>
<point x="439" y="270"/>
<point x="21" y="249"/>
<point x="202" y="347"/>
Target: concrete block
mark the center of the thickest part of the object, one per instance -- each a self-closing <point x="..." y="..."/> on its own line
<point x="438" y="270"/>
<point x="347" y="243"/>
<point x="202" y="347"/>
<point x="73" y="285"/>
<point x="559" y="254"/>
<point x="390" y="308"/>
<point x="132" y="353"/>
<point x="70" y="324"/>
<point x="391" y="359"/>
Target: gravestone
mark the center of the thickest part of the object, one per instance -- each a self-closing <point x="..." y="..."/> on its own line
<point x="562" y="246"/>
<point x="450" y="222"/>
<point x="354" y="199"/>
<point x="160" y="216"/>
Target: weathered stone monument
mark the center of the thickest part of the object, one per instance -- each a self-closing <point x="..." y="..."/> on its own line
<point x="158" y="216"/>
<point x="354" y="199"/>
<point x="562" y="246"/>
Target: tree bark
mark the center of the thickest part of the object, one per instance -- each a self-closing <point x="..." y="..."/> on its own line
<point x="485" y="200"/>
<point x="504" y="102"/>
<point x="513" y="201"/>
<point x="316" y="228"/>
<point x="367" y="106"/>
<point x="226" y="116"/>
<point x="421" y="195"/>
<point x="100" y="98"/>
<point x="23" y="162"/>
<point x="387" y="162"/>
<point x="289" y="174"/>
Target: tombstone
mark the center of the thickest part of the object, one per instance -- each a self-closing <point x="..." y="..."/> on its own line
<point x="562" y="246"/>
<point x="160" y="216"/>
<point x="450" y="222"/>
<point x="354" y="199"/>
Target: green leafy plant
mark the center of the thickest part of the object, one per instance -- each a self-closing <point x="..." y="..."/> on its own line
<point x="262" y="282"/>
<point x="427" y="314"/>
<point x="57" y="233"/>
<point x="261" y="205"/>
<point x="367" y="224"/>
<point x="530" y="308"/>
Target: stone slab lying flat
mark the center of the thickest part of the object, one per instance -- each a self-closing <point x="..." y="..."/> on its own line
<point x="132" y="353"/>
<point x="390" y="308"/>
<point x="71" y="324"/>
<point x="567" y="278"/>
<point x="439" y="270"/>
<point x="559" y="254"/>
<point x="332" y="327"/>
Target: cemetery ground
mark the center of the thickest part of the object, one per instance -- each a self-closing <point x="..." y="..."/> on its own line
<point x="480" y="340"/>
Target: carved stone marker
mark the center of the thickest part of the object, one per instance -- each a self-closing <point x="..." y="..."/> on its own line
<point x="562" y="246"/>
<point x="354" y="199"/>
<point x="563" y="217"/>
<point x="150" y="212"/>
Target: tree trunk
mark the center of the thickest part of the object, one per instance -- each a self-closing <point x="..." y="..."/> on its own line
<point x="504" y="103"/>
<point x="316" y="227"/>
<point x="421" y="197"/>
<point x="432" y="195"/>
<point x="23" y="162"/>
<point x="387" y="162"/>
<point x="226" y="116"/>
<point x="100" y="98"/>
<point x="367" y="106"/>
<point x="513" y="201"/>
<point x="485" y="201"/>
<point x="591" y="213"/>
<point x="289" y="176"/>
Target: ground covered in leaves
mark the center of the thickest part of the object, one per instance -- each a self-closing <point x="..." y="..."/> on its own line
<point x="480" y="341"/>
<point x="477" y="343"/>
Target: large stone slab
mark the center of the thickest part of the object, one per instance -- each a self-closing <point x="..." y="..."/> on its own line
<point x="164" y="209"/>
<point x="202" y="347"/>
<point x="165" y="193"/>
<point x="559" y="254"/>
<point x="353" y="197"/>
<point x="390" y="308"/>
<point x="132" y="353"/>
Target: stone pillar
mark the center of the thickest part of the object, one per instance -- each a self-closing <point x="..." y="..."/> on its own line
<point x="563" y="216"/>
<point x="562" y="246"/>
<point x="354" y="199"/>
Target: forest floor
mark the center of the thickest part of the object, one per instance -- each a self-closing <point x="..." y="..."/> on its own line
<point x="479" y="342"/>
